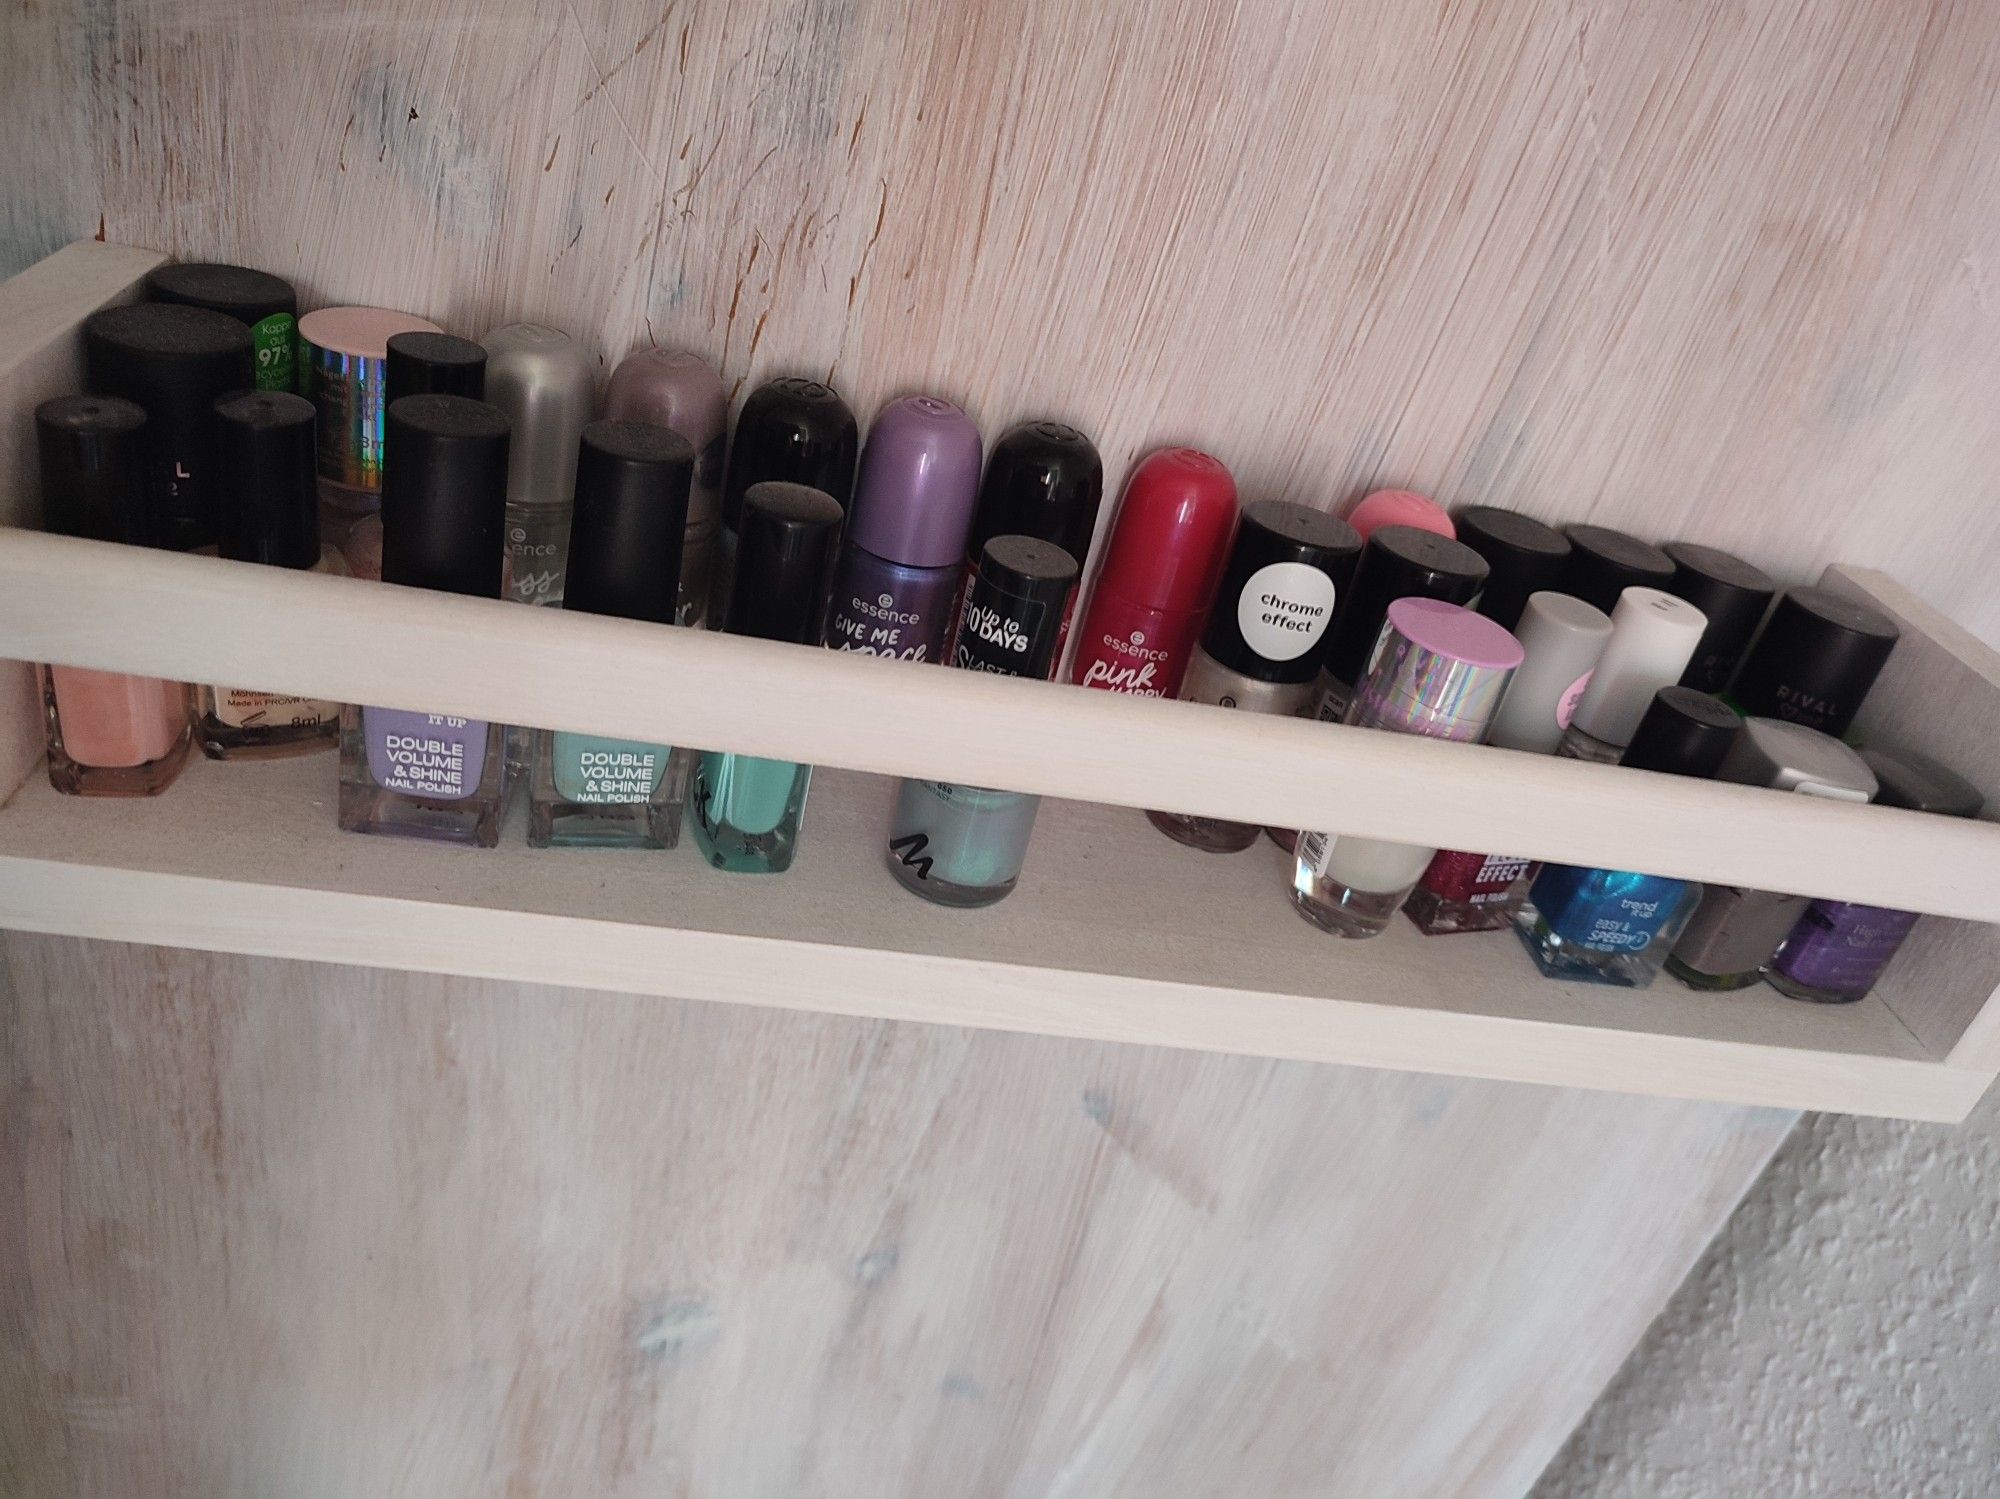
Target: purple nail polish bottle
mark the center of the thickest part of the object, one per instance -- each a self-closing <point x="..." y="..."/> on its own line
<point x="913" y="503"/>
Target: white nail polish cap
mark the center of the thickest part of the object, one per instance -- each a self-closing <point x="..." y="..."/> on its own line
<point x="1562" y="637"/>
<point x="1653" y="637"/>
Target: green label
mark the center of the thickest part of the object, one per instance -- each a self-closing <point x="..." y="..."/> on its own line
<point x="276" y="342"/>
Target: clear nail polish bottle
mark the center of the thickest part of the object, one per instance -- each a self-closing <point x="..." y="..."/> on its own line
<point x="626" y="544"/>
<point x="964" y="845"/>
<point x="677" y="390"/>
<point x="1653" y="636"/>
<point x="747" y="810"/>
<point x="1287" y="573"/>
<point x="1732" y="595"/>
<point x="1615" y="926"/>
<point x="1440" y="671"/>
<point x="1603" y="563"/>
<point x="1814" y="662"/>
<point x="542" y="380"/>
<point x="444" y="496"/>
<point x="109" y="734"/>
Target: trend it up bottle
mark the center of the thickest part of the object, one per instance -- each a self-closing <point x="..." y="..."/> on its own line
<point x="677" y="390"/>
<point x="897" y="578"/>
<point x="541" y="379"/>
<point x="1168" y="545"/>
<point x="1815" y="661"/>
<point x="1653" y="636"/>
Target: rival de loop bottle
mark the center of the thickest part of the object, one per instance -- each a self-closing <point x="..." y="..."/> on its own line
<point x="1603" y="563"/>
<point x="266" y="451"/>
<point x="1287" y="575"/>
<point x="1615" y="926"/>
<point x="1439" y="671"/>
<point x="1815" y="661"/>
<point x="1732" y="595"/>
<point x="964" y="845"/>
<point x="109" y="734"/>
<point x="265" y="304"/>
<point x="1653" y="637"/>
<point x="1168" y="544"/>
<point x="677" y="390"/>
<point x="444" y="501"/>
<point x="1734" y="931"/>
<point x="626" y="541"/>
<point x="747" y="810"/>
<point x="1838" y="949"/>
<point x="542" y="380"/>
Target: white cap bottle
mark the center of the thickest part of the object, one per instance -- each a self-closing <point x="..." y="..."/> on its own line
<point x="1653" y="637"/>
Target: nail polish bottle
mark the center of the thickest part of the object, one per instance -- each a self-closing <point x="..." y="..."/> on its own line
<point x="1732" y="594"/>
<point x="1561" y="640"/>
<point x="173" y="363"/>
<point x="1399" y="507"/>
<point x="1287" y="574"/>
<point x="265" y="446"/>
<point x="897" y="577"/>
<point x="109" y="734"/>
<point x="1523" y="557"/>
<point x="1439" y="671"/>
<point x="1815" y="661"/>
<point x="265" y="304"/>
<point x="1734" y="931"/>
<point x="626" y="543"/>
<point x="747" y="810"/>
<point x="543" y="381"/>
<point x="433" y="364"/>
<point x="1603" y="563"/>
<point x="1616" y="926"/>
<point x="444" y="497"/>
<point x="677" y="390"/>
<point x="790" y="431"/>
<point x="964" y="845"/>
<point x="1161" y="565"/>
<point x="1653" y="637"/>
<point x="1838" y="949"/>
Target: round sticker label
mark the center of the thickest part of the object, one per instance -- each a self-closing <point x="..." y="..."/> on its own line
<point x="1284" y="609"/>
<point x="1566" y="704"/>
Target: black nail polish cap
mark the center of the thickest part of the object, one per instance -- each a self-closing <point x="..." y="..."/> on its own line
<point x="1269" y="534"/>
<point x="1603" y="563"/>
<point x="1398" y="562"/>
<point x="791" y="431"/>
<point x="1523" y="557"/>
<point x="433" y="364"/>
<point x="1918" y="783"/>
<point x="1683" y="733"/>
<point x="270" y="500"/>
<point x="784" y="562"/>
<point x="93" y="459"/>
<point x="630" y="522"/>
<point x="1014" y="608"/>
<point x="246" y="295"/>
<point x="1043" y="479"/>
<point x="444" y="494"/>
<point x="1815" y="661"/>
<point x="1733" y="594"/>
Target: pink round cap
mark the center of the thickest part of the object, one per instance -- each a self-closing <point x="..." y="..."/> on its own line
<point x="1399" y="507"/>
<point x="918" y="484"/>
<point x="360" y="332"/>
<point x="1454" y="631"/>
<point x="1439" y="670"/>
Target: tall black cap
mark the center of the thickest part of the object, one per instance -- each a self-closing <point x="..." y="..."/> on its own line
<point x="1523" y="556"/>
<point x="784" y="562"/>
<point x="1288" y="574"/>
<point x="1043" y="479"/>
<point x="1013" y="620"/>
<point x="265" y="446"/>
<point x="93" y="457"/>
<point x="433" y="364"/>
<point x="791" y="431"/>
<point x="1399" y="562"/>
<point x="246" y="295"/>
<point x="1683" y="733"/>
<point x="1918" y="783"/>
<point x="444" y="494"/>
<point x="1815" y="661"/>
<point x="1733" y="594"/>
<point x="1603" y="563"/>
<point x="630" y="522"/>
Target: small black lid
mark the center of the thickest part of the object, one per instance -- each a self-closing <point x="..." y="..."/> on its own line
<point x="444" y="494"/>
<point x="433" y="364"/>
<point x="784" y="562"/>
<point x="246" y="295"/>
<point x="792" y="431"/>
<point x="1603" y="563"/>
<point x="630" y="521"/>
<point x="1287" y="574"/>
<point x="93" y="460"/>
<point x="264" y="450"/>
<point x="1523" y="557"/>
<point x="1815" y="661"/>
<point x="1399" y="562"/>
<point x="1026" y="567"/>
<point x="1684" y="733"/>
<point x="1919" y="784"/>
<point x="1043" y="479"/>
<point x="1733" y="594"/>
<point x="165" y="340"/>
<point x="1014" y="610"/>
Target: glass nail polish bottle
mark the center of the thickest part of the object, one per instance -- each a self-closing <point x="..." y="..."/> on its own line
<point x="1523" y="557"/>
<point x="1653" y="637"/>
<point x="626" y="543"/>
<point x="109" y="734"/>
<point x="1734" y="931"/>
<point x="1440" y="671"/>
<point x="964" y="845"/>
<point x="542" y="380"/>
<point x="747" y="810"/>
<point x="417" y="364"/>
<point x="1815" y="661"/>
<point x="444" y="497"/>
<point x="1603" y="563"/>
<point x="265" y="447"/>
<point x="677" y="390"/>
<point x="790" y="431"/>
<point x="1561" y="639"/>
<point x="265" y="304"/>
<point x="1838" y="949"/>
<point x="1616" y="926"/>
<point x="1399" y="507"/>
<point x="1732" y="595"/>
<point x="1287" y="573"/>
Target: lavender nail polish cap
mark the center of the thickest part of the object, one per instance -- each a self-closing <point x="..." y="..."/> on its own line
<point x="919" y="484"/>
